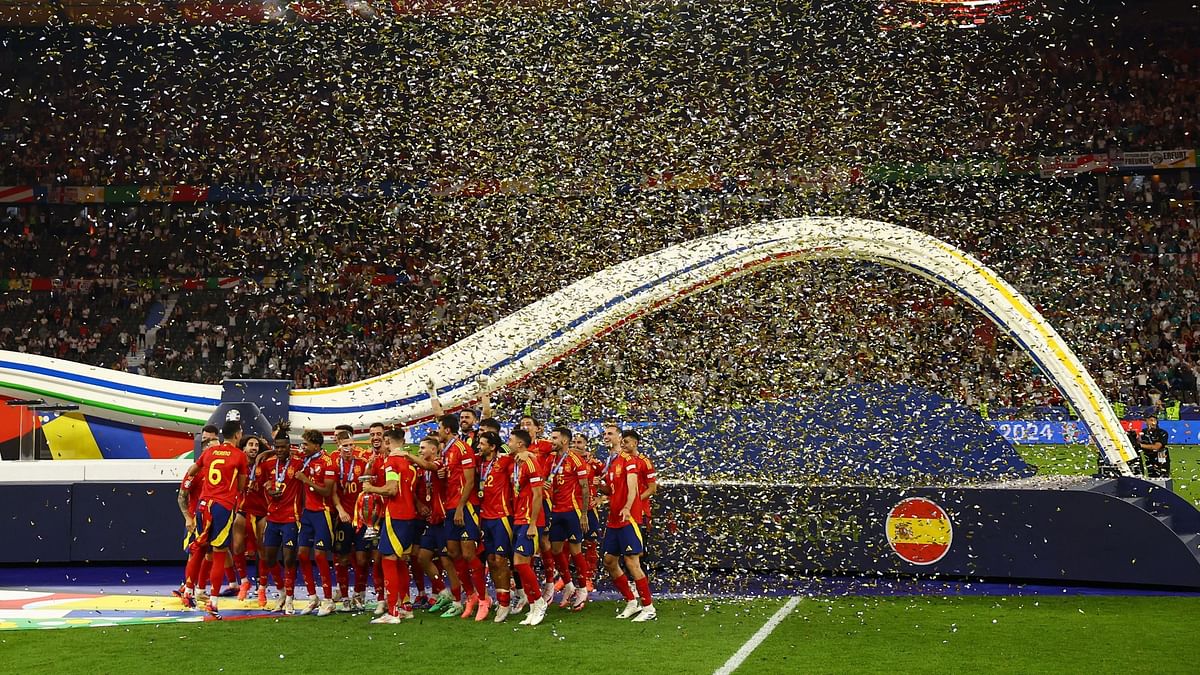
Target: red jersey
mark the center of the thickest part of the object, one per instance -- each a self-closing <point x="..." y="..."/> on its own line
<point x="347" y="472"/>
<point x="220" y="468"/>
<point x="618" y="472"/>
<point x="647" y="476"/>
<point x="283" y="491"/>
<point x="543" y="453"/>
<point x="526" y="477"/>
<point x="375" y="468"/>
<point x="320" y="470"/>
<point x="595" y="471"/>
<point x="402" y="505"/>
<point x="498" y="487"/>
<point x="431" y="490"/>
<point x="192" y="487"/>
<point x="568" y="476"/>
<point x="457" y="459"/>
<point x="254" y="502"/>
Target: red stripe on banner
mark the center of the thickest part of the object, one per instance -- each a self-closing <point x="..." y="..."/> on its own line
<point x="918" y="508"/>
<point x="16" y="194"/>
<point x="189" y="193"/>
<point x="921" y="553"/>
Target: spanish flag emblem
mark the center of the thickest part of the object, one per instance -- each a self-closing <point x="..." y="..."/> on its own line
<point x="919" y="531"/>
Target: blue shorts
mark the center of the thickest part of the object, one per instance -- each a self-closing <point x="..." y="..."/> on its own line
<point x="565" y="526"/>
<point x="469" y="530"/>
<point x="316" y="530"/>
<point x="623" y="540"/>
<point x="396" y="536"/>
<point x="280" y="535"/>
<point x="217" y="525"/>
<point x="593" y="526"/>
<point x="525" y="540"/>
<point x="434" y="538"/>
<point x="347" y="539"/>
<point x="498" y="536"/>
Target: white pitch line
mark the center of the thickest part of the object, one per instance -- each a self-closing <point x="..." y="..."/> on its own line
<point x="757" y="639"/>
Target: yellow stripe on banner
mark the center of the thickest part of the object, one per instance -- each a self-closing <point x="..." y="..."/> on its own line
<point x="1054" y="345"/>
<point x="918" y="530"/>
<point x="69" y="437"/>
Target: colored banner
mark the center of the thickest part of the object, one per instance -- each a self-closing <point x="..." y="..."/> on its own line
<point x="1043" y="432"/>
<point x="16" y="193"/>
<point x="1070" y="165"/>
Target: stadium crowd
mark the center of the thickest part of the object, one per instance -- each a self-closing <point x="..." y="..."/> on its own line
<point x="328" y="291"/>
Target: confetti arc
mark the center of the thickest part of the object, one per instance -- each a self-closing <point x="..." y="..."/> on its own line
<point x="549" y="329"/>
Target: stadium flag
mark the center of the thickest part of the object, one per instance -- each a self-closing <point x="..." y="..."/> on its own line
<point x="41" y="284"/>
<point x="123" y="194"/>
<point x="16" y="194"/>
<point x="223" y="282"/>
<point x="189" y="193"/>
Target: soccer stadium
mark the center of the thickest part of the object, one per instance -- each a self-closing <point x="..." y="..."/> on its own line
<point x="696" y="336"/>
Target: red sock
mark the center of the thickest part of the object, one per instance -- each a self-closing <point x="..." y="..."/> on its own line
<point x="503" y="598"/>
<point x="562" y="560"/>
<point x="548" y="565"/>
<point x="239" y="567"/>
<point x="205" y="571"/>
<point x="262" y="575"/>
<point x="377" y="570"/>
<point x="307" y="573"/>
<point x="580" y="569"/>
<point x="436" y="585"/>
<point x="529" y="581"/>
<point x="280" y="577"/>
<point x="418" y="576"/>
<point x="289" y="581"/>
<point x="402" y="576"/>
<point x="478" y="577"/>
<point x="342" y="570"/>
<point x="622" y="584"/>
<point x="391" y="583"/>
<point x="643" y="586"/>
<point x="464" y="576"/>
<point x="591" y="553"/>
<point x="360" y="577"/>
<point x="326" y="573"/>
<point x="194" y="568"/>
<point x="218" y="572"/>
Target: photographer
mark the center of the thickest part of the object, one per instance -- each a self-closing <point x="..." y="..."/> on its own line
<point x="1153" y="443"/>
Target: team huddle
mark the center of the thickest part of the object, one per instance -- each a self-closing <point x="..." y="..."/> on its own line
<point x="469" y="505"/>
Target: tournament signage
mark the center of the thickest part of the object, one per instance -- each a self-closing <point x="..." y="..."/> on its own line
<point x="1043" y="432"/>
